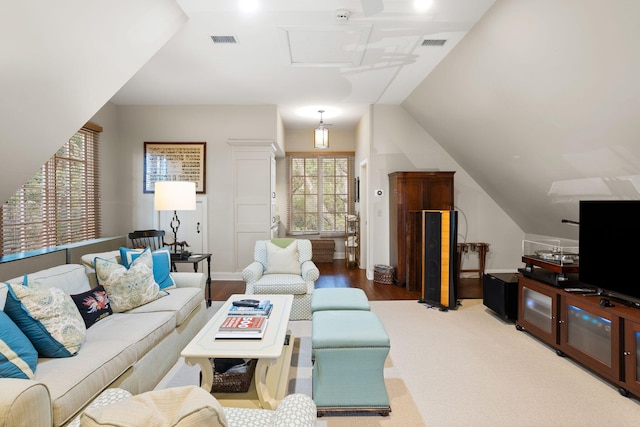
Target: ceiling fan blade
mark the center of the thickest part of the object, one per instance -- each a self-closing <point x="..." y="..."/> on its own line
<point x="371" y="7"/>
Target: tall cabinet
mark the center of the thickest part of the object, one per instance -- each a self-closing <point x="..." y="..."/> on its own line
<point x="253" y="183"/>
<point x="413" y="191"/>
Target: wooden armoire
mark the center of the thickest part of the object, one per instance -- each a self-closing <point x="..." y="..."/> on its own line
<point x="413" y="191"/>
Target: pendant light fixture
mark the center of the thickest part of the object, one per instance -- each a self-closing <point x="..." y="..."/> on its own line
<point x="321" y="134"/>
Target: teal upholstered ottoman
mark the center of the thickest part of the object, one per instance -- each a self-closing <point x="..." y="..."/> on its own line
<point x="349" y="349"/>
<point x="339" y="299"/>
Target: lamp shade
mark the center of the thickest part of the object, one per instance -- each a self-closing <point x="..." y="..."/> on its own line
<point x="175" y="196"/>
<point x="321" y="138"/>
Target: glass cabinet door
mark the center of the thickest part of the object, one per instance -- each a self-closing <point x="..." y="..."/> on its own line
<point x="588" y="334"/>
<point x="537" y="310"/>
<point x="632" y="356"/>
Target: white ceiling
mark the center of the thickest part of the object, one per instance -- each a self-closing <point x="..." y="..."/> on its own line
<point x="296" y="55"/>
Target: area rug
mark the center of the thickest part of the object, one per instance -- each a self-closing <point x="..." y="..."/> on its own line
<point x="403" y="408"/>
<point x="403" y="411"/>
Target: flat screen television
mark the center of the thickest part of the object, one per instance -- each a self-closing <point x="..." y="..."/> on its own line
<point x="609" y="247"/>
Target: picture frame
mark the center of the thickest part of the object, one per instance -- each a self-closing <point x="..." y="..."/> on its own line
<point x="175" y="161"/>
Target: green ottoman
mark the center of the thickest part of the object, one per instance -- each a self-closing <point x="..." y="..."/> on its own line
<point x="349" y="349"/>
<point x="339" y="299"/>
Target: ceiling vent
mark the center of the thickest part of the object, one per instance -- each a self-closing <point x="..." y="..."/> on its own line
<point x="224" y="39"/>
<point x="433" y="42"/>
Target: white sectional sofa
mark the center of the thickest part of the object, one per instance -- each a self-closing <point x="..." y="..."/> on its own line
<point x="131" y="350"/>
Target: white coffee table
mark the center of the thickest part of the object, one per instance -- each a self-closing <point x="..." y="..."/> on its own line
<point x="269" y="385"/>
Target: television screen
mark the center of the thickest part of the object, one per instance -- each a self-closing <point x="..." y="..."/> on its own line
<point x="608" y="246"/>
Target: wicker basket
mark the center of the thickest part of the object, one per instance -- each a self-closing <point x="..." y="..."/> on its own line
<point x="383" y="274"/>
<point x="235" y="382"/>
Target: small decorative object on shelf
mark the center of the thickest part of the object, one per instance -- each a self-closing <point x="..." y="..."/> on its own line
<point x="352" y="240"/>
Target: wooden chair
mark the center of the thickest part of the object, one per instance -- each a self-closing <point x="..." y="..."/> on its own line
<point x="143" y="238"/>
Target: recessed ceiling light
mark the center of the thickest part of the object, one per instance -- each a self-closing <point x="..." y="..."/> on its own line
<point x="422" y="5"/>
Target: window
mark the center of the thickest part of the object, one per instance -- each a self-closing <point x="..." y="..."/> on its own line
<point x="60" y="204"/>
<point x="320" y="192"/>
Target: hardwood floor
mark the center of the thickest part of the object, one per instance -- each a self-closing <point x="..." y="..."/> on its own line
<point x="332" y="275"/>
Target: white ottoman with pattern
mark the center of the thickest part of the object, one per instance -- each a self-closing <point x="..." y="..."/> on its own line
<point x="284" y="266"/>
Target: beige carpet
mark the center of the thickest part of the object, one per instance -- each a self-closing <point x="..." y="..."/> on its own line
<point x="466" y="367"/>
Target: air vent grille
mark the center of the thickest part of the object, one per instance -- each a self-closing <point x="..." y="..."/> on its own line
<point x="433" y="42"/>
<point x="224" y="39"/>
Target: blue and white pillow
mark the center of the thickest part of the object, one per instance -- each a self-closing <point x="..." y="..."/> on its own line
<point x="161" y="264"/>
<point x="128" y="288"/>
<point x="48" y="317"/>
<point x="18" y="357"/>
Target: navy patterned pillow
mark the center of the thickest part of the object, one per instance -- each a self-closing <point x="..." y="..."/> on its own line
<point x="93" y="305"/>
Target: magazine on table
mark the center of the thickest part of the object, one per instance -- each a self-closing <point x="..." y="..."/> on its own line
<point x="243" y="333"/>
<point x="263" y="308"/>
<point x="243" y="323"/>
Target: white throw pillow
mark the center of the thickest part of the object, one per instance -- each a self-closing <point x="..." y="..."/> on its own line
<point x="178" y="406"/>
<point x="283" y="260"/>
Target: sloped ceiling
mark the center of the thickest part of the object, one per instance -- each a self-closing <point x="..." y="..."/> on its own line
<point x="540" y="103"/>
<point x="60" y="63"/>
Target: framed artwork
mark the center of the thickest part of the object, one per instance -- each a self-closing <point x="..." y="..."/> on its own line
<point x="175" y="161"/>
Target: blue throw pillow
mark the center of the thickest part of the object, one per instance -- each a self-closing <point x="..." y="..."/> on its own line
<point x="161" y="264"/>
<point x="48" y="317"/>
<point x="18" y="357"/>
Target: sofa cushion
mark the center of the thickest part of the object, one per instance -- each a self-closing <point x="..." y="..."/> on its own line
<point x="280" y="284"/>
<point x="161" y="264"/>
<point x="18" y="357"/>
<point x="93" y="305"/>
<point x="112" y="346"/>
<point x="178" y="406"/>
<point x="88" y="260"/>
<point x="71" y="278"/>
<point x="181" y="301"/>
<point x="283" y="260"/>
<point x="131" y="287"/>
<point x="48" y="317"/>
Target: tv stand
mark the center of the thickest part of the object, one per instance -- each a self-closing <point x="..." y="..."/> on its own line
<point x="604" y="339"/>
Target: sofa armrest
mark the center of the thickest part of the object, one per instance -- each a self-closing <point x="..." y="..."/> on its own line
<point x="309" y="271"/>
<point x="295" y="409"/>
<point x="189" y="280"/>
<point x="24" y="403"/>
<point x="253" y="272"/>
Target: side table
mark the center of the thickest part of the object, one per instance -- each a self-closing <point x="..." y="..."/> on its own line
<point x="195" y="259"/>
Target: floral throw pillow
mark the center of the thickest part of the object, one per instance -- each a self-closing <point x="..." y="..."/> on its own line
<point x="48" y="317"/>
<point x="93" y="305"/>
<point x="128" y="288"/>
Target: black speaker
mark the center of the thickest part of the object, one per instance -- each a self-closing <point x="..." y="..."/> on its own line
<point x="439" y="258"/>
<point x="500" y="294"/>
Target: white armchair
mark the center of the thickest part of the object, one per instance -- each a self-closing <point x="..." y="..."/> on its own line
<point x="283" y="266"/>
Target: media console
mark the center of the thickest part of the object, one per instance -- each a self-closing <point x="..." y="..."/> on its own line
<point x="604" y="338"/>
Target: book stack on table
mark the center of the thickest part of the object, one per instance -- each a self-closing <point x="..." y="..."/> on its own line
<point x="245" y="321"/>
<point x="261" y="308"/>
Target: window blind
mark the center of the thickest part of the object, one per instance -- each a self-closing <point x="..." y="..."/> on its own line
<point x="321" y="189"/>
<point x="60" y="203"/>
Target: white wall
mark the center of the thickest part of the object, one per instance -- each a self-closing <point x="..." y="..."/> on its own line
<point x="211" y="124"/>
<point x="363" y="153"/>
<point x="116" y="169"/>
<point x="61" y="62"/>
<point x="399" y="143"/>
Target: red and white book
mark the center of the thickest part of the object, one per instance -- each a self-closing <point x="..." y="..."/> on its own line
<point x="243" y="324"/>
